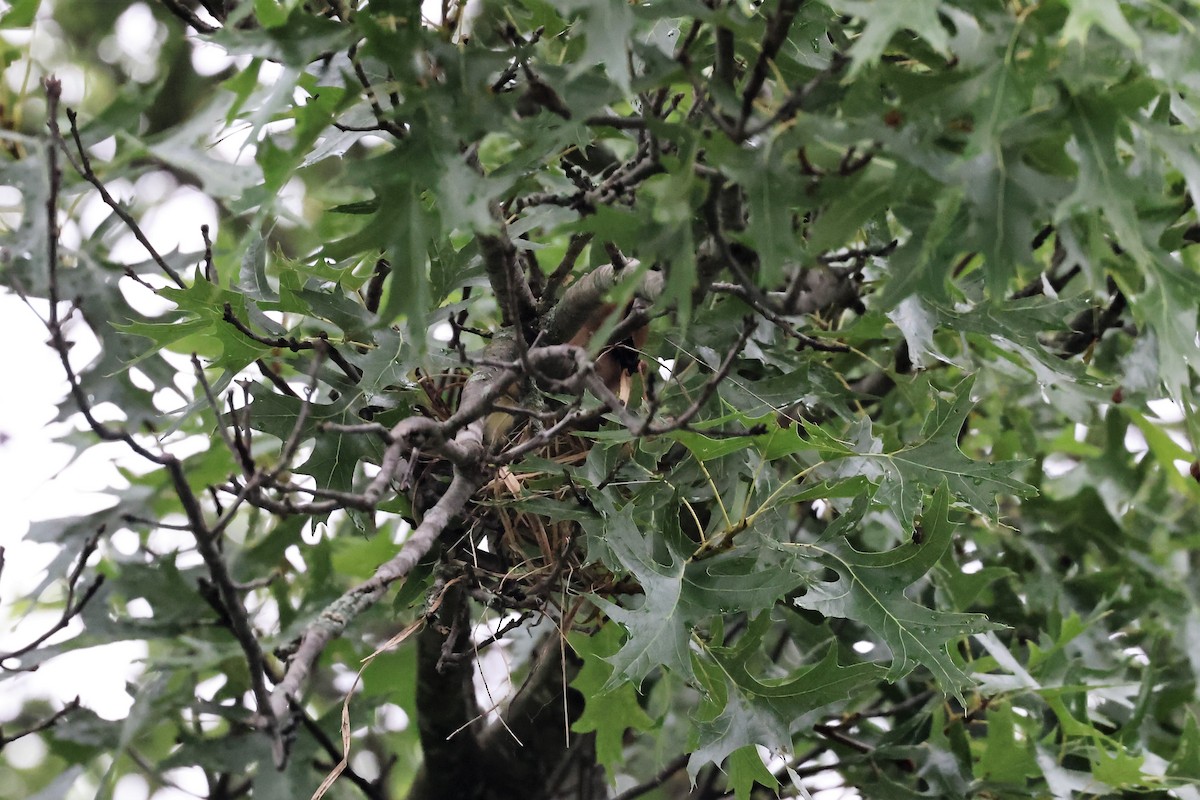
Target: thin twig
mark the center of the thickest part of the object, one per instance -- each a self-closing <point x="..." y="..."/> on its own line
<point x="372" y="98"/>
<point x="239" y="622"/>
<point x="747" y="290"/>
<point x="795" y="103"/>
<point x="288" y="452"/>
<point x="210" y="269"/>
<point x="276" y="381"/>
<point x="661" y="777"/>
<point x="71" y="606"/>
<point x="620" y="123"/>
<point x="374" y="296"/>
<point x="206" y="544"/>
<point x="198" y="369"/>
<point x="710" y="386"/>
<point x="575" y="420"/>
<point x="188" y="16"/>
<point x="38" y="727"/>
<point x="371" y="789"/>
<point x="239" y="420"/>
<point x="773" y="39"/>
<point x="84" y="168"/>
<point x="295" y="345"/>
<point x="1090" y="325"/>
<point x="574" y="250"/>
<point x="836" y="734"/>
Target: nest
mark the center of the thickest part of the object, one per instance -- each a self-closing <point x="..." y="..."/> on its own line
<point x="513" y="557"/>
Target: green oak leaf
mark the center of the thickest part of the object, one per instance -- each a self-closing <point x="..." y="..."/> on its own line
<point x="658" y="633"/>
<point x="609" y="714"/>
<point x="1007" y="758"/>
<point x="919" y="264"/>
<point x="1186" y="762"/>
<point x="335" y="457"/>
<point x="252" y="279"/>
<point x="606" y="29"/>
<point x="679" y="593"/>
<point x="1104" y="13"/>
<point x="870" y="589"/>
<point x="904" y="476"/>
<point x="746" y="768"/>
<point x="754" y="711"/>
<point x="885" y="19"/>
<point x="20" y="13"/>
<point x="201" y="310"/>
<point x="1103" y="181"/>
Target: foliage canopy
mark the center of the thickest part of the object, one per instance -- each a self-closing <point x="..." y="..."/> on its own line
<point x="666" y="399"/>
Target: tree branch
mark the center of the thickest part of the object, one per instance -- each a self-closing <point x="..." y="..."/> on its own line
<point x="38" y="727"/>
<point x="586" y="296"/>
<point x="71" y="605"/>
<point x="84" y="168"/>
<point x="466" y="426"/>
<point x="531" y="744"/>
<point x="773" y="39"/>
<point x="447" y="715"/>
<point x="341" y="612"/>
<point x="516" y="301"/>
<point x="662" y="776"/>
<point x="177" y="8"/>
